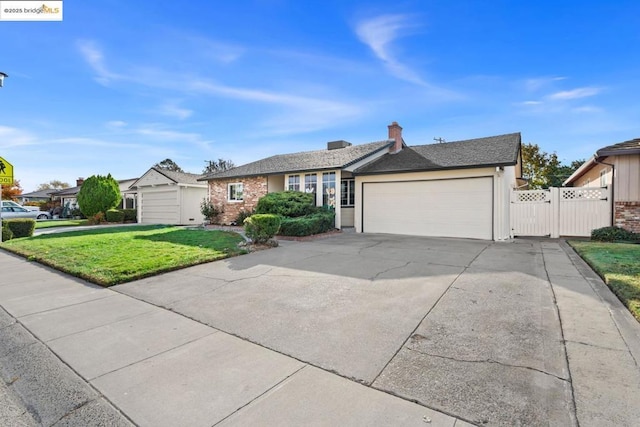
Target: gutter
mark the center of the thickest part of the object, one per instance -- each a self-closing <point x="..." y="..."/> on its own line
<point x="585" y="167"/>
<point x="613" y="194"/>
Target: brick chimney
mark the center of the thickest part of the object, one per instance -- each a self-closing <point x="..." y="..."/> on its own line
<point x="395" y="133"/>
<point x="79" y="182"/>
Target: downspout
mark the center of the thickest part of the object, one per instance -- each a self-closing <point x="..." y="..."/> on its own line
<point x="613" y="193"/>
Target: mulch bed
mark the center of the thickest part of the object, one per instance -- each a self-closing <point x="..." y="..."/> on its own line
<point x="287" y="238"/>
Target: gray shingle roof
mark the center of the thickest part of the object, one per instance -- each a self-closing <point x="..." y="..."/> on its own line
<point x="623" y="148"/>
<point x="501" y="150"/>
<point x="180" y="177"/>
<point x="298" y="162"/>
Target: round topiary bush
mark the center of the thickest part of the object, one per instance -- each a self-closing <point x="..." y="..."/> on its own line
<point x="98" y="194"/>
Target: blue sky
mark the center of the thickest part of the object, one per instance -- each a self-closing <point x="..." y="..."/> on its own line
<point x="118" y="86"/>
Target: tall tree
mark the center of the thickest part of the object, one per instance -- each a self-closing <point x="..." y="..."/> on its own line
<point x="169" y="165"/>
<point x="218" y="166"/>
<point x="11" y="192"/>
<point x="54" y="184"/>
<point x="544" y="170"/>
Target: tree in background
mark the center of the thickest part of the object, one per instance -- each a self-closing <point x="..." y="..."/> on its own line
<point x="11" y="192"/>
<point x="98" y="194"/>
<point x="544" y="170"/>
<point x="168" y="165"/>
<point x="54" y="184"/>
<point x="217" y="166"/>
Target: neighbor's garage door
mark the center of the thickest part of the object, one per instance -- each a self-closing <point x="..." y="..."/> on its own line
<point x="443" y="208"/>
<point x="160" y="207"/>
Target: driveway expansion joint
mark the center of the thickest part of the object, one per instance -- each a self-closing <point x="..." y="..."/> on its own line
<point x="507" y="365"/>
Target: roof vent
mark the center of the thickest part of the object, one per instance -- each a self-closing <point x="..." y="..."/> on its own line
<point x="335" y="145"/>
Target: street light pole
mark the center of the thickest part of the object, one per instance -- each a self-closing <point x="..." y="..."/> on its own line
<point x="2" y="77"/>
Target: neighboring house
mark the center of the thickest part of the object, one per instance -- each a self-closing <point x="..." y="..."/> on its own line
<point x="68" y="196"/>
<point x="454" y="189"/>
<point x="617" y="165"/>
<point x="166" y="197"/>
<point x="36" y="196"/>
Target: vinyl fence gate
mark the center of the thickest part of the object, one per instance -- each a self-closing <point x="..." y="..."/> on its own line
<point x="571" y="211"/>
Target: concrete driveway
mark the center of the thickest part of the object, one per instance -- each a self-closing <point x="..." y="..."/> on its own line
<point x="469" y="328"/>
<point x="327" y="332"/>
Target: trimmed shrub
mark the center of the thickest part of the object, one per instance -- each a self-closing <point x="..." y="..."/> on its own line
<point x="320" y="222"/>
<point x="98" y="194"/>
<point x="614" y="234"/>
<point x="289" y="204"/>
<point x="242" y="215"/>
<point x="130" y="214"/>
<point x="114" y="215"/>
<point x="20" y="227"/>
<point x="7" y="234"/>
<point x="261" y="227"/>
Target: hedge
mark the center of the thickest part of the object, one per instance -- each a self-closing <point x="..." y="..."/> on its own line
<point x="290" y="204"/>
<point x="321" y="221"/>
<point x="130" y="214"/>
<point x="614" y="234"/>
<point x="7" y="234"/>
<point x="114" y="215"/>
<point x="261" y="227"/>
<point x="20" y="227"/>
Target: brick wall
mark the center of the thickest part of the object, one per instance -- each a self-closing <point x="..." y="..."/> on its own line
<point x="628" y="216"/>
<point x="254" y="188"/>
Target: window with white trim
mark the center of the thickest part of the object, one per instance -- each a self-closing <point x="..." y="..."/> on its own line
<point x="235" y="192"/>
<point x="603" y="178"/>
<point x="293" y="183"/>
<point x="329" y="189"/>
<point x="347" y="192"/>
<point x="310" y="183"/>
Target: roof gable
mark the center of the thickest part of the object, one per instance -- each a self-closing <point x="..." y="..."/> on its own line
<point x="156" y="176"/>
<point x="501" y="150"/>
<point x="304" y="161"/>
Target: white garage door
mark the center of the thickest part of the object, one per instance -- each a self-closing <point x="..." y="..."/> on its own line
<point x="160" y="207"/>
<point x="443" y="208"/>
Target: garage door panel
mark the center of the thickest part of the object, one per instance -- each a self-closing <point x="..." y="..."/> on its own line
<point x="160" y="207"/>
<point x="445" y="208"/>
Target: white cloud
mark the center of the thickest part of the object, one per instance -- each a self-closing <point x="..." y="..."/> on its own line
<point x="379" y="33"/>
<point x="93" y="55"/>
<point x="582" y="92"/>
<point x="173" y="110"/>
<point x="534" y="84"/>
<point x="531" y="103"/>
<point x="14" y="137"/>
<point x="116" y="124"/>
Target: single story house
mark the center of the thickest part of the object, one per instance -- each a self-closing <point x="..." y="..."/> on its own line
<point x="36" y="196"/>
<point x="617" y="165"/>
<point x="168" y="197"/>
<point x="68" y="196"/>
<point x="453" y="189"/>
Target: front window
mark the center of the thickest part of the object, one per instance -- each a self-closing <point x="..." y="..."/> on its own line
<point x="329" y="189"/>
<point x="310" y="183"/>
<point x="235" y="192"/>
<point x="294" y="183"/>
<point x="347" y="192"/>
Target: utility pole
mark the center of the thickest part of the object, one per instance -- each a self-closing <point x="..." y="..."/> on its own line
<point x="440" y="140"/>
<point x="2" y="77"/>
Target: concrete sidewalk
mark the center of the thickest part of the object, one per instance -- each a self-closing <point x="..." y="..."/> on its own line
<point x="80" y="355"/>
<point x="349" y="330"/>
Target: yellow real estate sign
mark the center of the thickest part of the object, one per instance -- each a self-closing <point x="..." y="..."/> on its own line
<point x="6" y="172"/>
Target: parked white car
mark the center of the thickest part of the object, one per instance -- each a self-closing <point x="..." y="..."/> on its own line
<point x="10" y="212"/>
<point x="16" y="205"/>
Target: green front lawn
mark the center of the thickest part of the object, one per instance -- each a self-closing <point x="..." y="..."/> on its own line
<point x="48" y="223"/>
<point x="120" y="254"/>
<point x="619" y="265"/>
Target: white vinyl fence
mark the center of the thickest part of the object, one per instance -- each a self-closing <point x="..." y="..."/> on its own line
<point x="572" y="211"/>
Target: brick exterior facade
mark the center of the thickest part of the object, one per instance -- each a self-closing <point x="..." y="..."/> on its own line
<point x="253" y="189"/>
<point x="627" y="215"/>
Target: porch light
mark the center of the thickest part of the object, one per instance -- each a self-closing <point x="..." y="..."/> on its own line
<point x="2" y="76"/>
